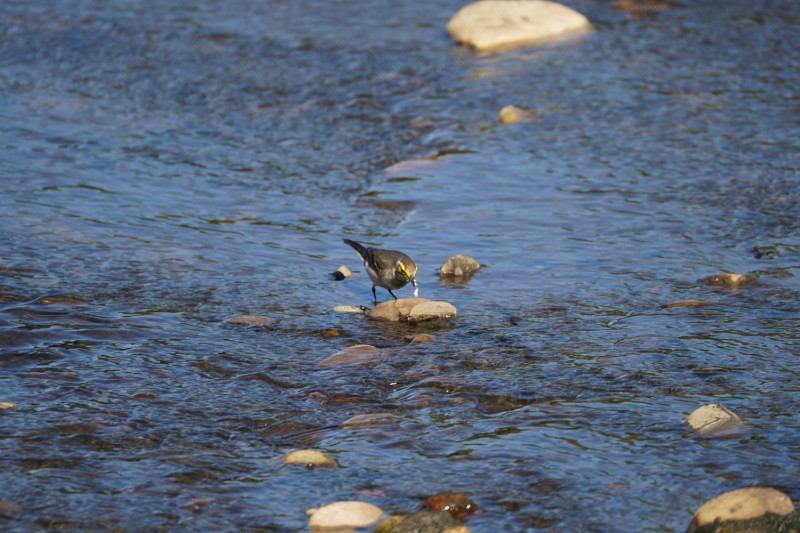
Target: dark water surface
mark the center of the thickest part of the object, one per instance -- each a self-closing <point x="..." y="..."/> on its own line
<point x="167" y="165"/>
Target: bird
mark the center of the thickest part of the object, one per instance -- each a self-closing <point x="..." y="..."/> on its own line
<point x="389" y="269"/>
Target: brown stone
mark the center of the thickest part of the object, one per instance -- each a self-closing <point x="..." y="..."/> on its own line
<point x="431" y="311"/>
<point x="309" y="458"/>
<point x="511" y="114"/>
<point x="251" y="320"/>
<point x="685" y="303"/>
<point x="395" y="310"/>
<point x="459" y="265"/>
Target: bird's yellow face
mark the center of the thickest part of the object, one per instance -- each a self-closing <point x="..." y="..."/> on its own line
<point x="405" y="272"/>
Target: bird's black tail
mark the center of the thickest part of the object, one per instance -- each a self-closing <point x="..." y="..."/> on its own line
<point x="362" y="251"/>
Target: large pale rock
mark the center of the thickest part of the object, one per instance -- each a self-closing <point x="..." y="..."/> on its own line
<point x="491" y="24"/>
<point x="459" y="265"/>
<point x="344" y="514"/>
<point x="411" y="310"/>
<point x="713" y="418"/>
<point x="742" y="504"/>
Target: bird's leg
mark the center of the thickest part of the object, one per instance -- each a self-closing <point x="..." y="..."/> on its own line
<point x="374" y="295"/>
<point x="390" y="292"/>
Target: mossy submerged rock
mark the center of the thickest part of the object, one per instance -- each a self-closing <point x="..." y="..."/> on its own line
<point x="422" y="522"/>
<point x="358" y="354"/>
<point x="712" y="419"/>
<point x="251" y="320"/>
<point x="755" y="509"/>
<point x="459" y="265"/>
<point x="411" y="310"/>
<point x="493" y="24"/>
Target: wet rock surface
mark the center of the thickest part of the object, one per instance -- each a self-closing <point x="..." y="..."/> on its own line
<point x="713" y="419"/>
<point x="412" y="310"/>
<point x="459" y="266"/>
<point x="493" y="24"/>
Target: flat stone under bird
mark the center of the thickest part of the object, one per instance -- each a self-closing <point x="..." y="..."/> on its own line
<point x="389" y="269"/>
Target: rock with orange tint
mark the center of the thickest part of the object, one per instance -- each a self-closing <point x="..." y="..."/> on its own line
<point x="358" y="354"/>
<point x="510" y="114"/>
<point x="752" y="510"/>
<point x="685" y="303"/>
<point x="457" y="504"/>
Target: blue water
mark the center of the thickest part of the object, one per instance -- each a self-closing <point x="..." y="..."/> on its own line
<point x="166" y="166"/>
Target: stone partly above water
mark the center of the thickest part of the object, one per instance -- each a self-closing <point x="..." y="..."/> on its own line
<point x="309" y="458"/>
<point x="492" y="24"/>
<point x="756" y="509"/>
<point x="458" y="266"/>
<point x="344" y="514"/>
<point x="412" y="310"/>
<point x="726" y="280"/>
<point x="712" y="419"/>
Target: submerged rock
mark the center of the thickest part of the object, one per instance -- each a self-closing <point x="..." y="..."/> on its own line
<point x="422" y="522"/>
<point x="458" y="266"/>
<point x="726" y="280"/>
<point x="457" y="504"/>
<point x="685" y="303"/>
<point x="511" y="114"/>
<point x="712" y="418"/>
<point x="309" y="458"/>
<point x="344" y="514"/>
<point x="491" y="24"/>
<point x="251" y="320"/>
<point x="358" y="354"/>
<point x="755" y="509"/>
<point x="411" y="310"/>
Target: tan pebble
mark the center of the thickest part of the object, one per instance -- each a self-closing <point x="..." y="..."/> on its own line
<point x="742" y="504"/>
<point x="345" y="514"/>
<point x="424" y="337"/>
<point x="510" y="114"/>
<point x="330" y="332"/>
<point x="353" y="355"/>
<point x="492" y="24"/>
<point x="349" y="309"/>
<point x="712" y="418"/>
<point x="309" y="459"/>
<point x="342" y="273"/>
<point x="6" y="405"/>
<point x="685" y="303"/>
<point x="251" y="320"/>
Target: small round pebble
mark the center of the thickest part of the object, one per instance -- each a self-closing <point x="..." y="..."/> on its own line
<point x="342" y="273"/>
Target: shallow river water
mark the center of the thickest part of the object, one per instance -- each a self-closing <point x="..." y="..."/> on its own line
<point x="167" y="165"/>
